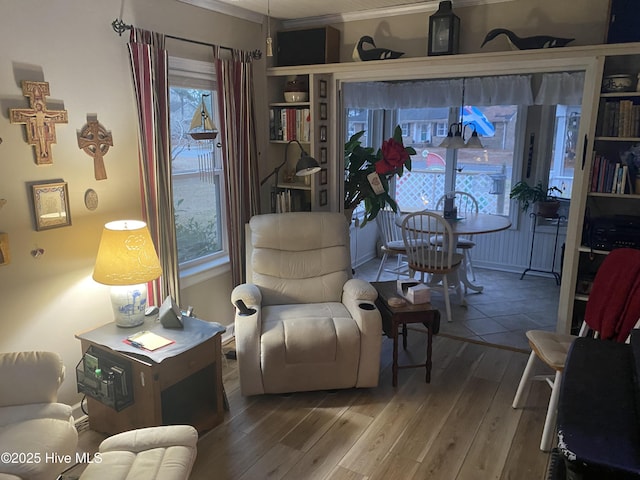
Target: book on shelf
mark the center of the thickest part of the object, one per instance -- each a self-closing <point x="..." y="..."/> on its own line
<point x="620" y="118"/>
<point x="608" y="176"/>
<point x="288" y="124"/>
<point x="283" y="202"/>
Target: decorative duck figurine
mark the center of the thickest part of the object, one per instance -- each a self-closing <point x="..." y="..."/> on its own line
<point x="362" y="54"/>
<point x="527" y="43"/>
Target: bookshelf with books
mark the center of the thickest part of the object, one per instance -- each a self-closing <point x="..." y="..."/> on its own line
<point x="611" y="200"/>
<point x="306" y="121"/>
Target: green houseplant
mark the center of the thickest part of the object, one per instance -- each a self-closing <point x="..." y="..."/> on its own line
<point x="546" y="203"/>
<point x="367" y="173"/>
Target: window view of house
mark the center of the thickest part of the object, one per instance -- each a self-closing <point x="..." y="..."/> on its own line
<point x="196" y="173"/>
<point x="485" y="173"/>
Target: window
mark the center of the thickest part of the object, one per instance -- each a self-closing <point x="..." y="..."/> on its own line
<point x="563" y="154"/>
<point x="357" y="121"/>
<point x="196" y="167"/>
<point x="442" y="129"/>
<point x="425" y="132"/>
<point x="488" y="173"/>
<point x="485" y="173"/>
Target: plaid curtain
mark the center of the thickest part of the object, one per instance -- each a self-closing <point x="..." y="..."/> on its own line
<point x="237" y="133"/>
<point x="149" y="67"/>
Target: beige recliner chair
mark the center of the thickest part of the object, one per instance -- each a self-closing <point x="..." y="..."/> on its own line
<point x="33" y="426"/>
<point x="311" y="326"/>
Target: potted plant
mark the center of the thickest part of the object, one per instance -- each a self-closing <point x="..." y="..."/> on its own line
<point x="547" y="204"/>
<point x="367" y="173"/>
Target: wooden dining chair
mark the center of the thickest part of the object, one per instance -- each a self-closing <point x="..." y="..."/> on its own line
<point x="426" y="257"/>
<point x="392" y="243"/>
<point x="612" y="310"/>
<point x="466" y="203"/>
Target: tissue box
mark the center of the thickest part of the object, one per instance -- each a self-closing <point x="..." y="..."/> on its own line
<point x="414" y="292"/>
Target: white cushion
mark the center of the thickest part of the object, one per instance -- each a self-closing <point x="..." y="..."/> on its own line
<point x="298" y="339"/>
<point x="465" y="243"/>
<point x="42" y="437"/>
<point x="31" y="421"/>
<point x="461" y="242"/>
<point x="45" y="371"/>
<point x="154" y="453"/>
<point x="308" y="264"/>
<point x="396" y="245"/>
<point x="551" y="347"/>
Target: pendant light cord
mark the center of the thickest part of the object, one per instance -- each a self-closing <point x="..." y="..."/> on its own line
<point x="269" y="39"/>
<point x="462" y="111"/>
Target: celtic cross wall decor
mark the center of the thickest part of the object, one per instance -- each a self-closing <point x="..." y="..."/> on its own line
<point x="95" y="140"/>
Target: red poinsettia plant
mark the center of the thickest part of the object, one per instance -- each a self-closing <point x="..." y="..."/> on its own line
<point x="367" y="174"/>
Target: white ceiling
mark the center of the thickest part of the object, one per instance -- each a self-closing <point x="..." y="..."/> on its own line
<point x="309" y="12"/>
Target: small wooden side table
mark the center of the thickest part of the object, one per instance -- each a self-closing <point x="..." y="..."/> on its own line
<point x="177" y="384"/>
<point x="394" y="317"/>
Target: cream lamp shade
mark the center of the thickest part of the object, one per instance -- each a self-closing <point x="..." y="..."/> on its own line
<point x="127" y="260"/>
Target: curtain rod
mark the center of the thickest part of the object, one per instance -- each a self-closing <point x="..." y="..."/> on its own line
<point x="120" y="27"/>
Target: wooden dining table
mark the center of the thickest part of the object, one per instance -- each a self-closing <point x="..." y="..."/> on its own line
<point x="466" y="225"/>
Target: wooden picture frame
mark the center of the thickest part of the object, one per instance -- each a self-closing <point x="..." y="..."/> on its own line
<point x="323" y="176"/>
<point x="322" y="89"/>
<point x="5" y="255"/>
<point x="323" y="155"/>
<point x="323" y="197"/>
<point x="50" y="205"/>
<point x="323" y="133"/>
<point x="323" y="111"/>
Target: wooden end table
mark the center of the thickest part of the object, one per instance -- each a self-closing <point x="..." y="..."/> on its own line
<point x="394" y="317"/>
<point x="177" y="384"/>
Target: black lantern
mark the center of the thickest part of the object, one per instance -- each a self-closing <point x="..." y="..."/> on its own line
<point x="444" y="31"/>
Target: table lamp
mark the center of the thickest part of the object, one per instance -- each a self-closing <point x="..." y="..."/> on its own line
<point x="127" y="260"/>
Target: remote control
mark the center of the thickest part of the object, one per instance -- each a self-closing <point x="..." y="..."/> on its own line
<point x="244" y="310"/>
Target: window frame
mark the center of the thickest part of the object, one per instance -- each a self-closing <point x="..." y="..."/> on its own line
<point x="382" y="121"/>
<point x="189" y="73"/>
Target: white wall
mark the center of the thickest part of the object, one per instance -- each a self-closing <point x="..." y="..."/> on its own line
<point x="70" y="44"/>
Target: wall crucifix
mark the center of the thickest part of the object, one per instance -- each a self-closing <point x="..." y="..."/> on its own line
<point x="95" y="140"/>
<point x="40" y="122"/>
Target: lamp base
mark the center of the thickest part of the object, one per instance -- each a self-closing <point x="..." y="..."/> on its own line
<point x="129" y="303"/>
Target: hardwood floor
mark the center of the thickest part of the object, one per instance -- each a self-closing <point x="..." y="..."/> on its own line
<point x="460" y="426"/>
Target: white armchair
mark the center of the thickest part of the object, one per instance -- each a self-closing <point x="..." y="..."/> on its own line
<point x="32" y="423"/>
<point x="312" y="326"/>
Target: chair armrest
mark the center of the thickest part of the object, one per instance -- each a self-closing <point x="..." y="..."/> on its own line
<point x="359" y="289"/>
<point x="247" y="331"/>
<point x="249" y="293"/>
<point x="20" y="413"/>
<point x="359" y="297"/>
